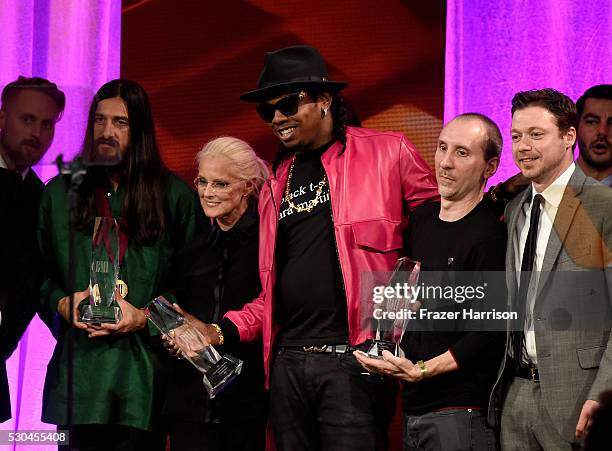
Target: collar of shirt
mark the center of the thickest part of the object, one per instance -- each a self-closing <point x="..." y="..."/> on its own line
<point x="607" y="181"/>
<point x="554" y="192"/>
<point x="23" y="173"/>
<point x="552" y="198"/>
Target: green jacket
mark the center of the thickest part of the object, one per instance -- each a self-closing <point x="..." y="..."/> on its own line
<point x="117" y="380"/>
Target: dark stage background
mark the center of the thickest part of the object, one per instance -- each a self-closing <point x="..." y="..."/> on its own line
<point x="194" y="58"/>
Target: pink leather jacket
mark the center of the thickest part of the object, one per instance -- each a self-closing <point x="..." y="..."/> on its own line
<point x="374" y="184"/>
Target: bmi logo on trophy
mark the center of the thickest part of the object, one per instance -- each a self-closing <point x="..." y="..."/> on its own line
<point x="106" y="255"/>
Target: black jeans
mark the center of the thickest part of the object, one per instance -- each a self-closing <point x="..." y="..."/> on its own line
<point x="324" y="402"/>
<point x="449" y="430"/>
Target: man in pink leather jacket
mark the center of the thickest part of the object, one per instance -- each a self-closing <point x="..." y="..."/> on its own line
<point x="333" y="210"/>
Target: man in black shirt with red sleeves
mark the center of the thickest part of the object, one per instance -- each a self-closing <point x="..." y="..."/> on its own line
<point x="447" y="372"/>
<point x="333" y="210"/>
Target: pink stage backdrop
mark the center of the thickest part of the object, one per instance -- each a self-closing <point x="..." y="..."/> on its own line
<point x="75" y="44"/>
<point x="494" y="49"/>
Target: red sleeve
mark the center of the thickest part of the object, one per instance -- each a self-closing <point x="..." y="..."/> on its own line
<point x="418" y="182"/>
<point x="248" y="320"/>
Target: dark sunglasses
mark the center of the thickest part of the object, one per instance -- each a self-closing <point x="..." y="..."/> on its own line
<point x="288" y="106"/>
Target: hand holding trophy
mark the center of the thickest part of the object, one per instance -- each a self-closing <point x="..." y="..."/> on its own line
<point x="63" y="308"/>
<point x="218" y="370"/>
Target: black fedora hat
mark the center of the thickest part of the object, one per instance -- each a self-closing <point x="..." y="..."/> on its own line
<point x="299" y="66"/>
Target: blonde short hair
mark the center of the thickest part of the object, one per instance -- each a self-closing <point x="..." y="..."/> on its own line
<point x="246" y="164"/>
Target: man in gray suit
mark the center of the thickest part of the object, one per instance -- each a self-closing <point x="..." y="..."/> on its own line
<point x="559" y="271"/>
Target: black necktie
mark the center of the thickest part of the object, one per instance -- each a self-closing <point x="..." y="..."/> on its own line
<point x="529" y="253"/>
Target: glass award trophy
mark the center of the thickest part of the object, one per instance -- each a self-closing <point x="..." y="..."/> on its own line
<point x="389" y="332"/>
<point x="218" y="370"/>
<point x="102" y="306"/>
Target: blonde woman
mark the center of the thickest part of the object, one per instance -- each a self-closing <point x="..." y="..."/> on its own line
<point x="217" y="273"/>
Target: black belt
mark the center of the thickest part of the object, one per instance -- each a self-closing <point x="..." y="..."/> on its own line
<point x="528" y="372"/>
<point x="329" y="349"/>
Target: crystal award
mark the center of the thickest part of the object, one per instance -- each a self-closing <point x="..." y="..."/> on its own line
<point x="218" y="370"/>
<point x="102" y="307"/>
<point x="389" y="332"/>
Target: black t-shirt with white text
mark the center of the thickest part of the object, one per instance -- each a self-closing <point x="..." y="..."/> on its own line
<point x="310" y="303"/>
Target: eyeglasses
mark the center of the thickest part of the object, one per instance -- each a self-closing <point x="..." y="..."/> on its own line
<point x="216" y="186"/>
<point x="288" y="106"/>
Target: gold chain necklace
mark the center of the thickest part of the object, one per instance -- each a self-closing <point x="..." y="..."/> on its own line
<point x="312" y="202"/>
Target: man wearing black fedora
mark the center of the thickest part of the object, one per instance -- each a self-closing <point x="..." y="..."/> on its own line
<point x="332" y="211"/>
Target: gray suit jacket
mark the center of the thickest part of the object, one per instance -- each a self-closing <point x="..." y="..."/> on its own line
<point x="573" y="305"/>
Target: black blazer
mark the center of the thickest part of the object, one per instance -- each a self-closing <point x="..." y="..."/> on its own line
<point x="218" y="272"/>
<point x="19" y="265"/>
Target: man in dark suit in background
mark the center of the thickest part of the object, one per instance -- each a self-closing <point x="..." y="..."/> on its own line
<point x="595" y="133"/>
<point x="28" y="114"/>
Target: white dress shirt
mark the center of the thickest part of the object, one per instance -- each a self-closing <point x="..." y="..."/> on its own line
<point x="3" y="165"/>
<point x="552" y="198"/>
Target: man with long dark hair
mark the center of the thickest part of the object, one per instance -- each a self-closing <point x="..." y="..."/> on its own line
<point x="332" y="211"/>
<point x="116" y="367"/>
